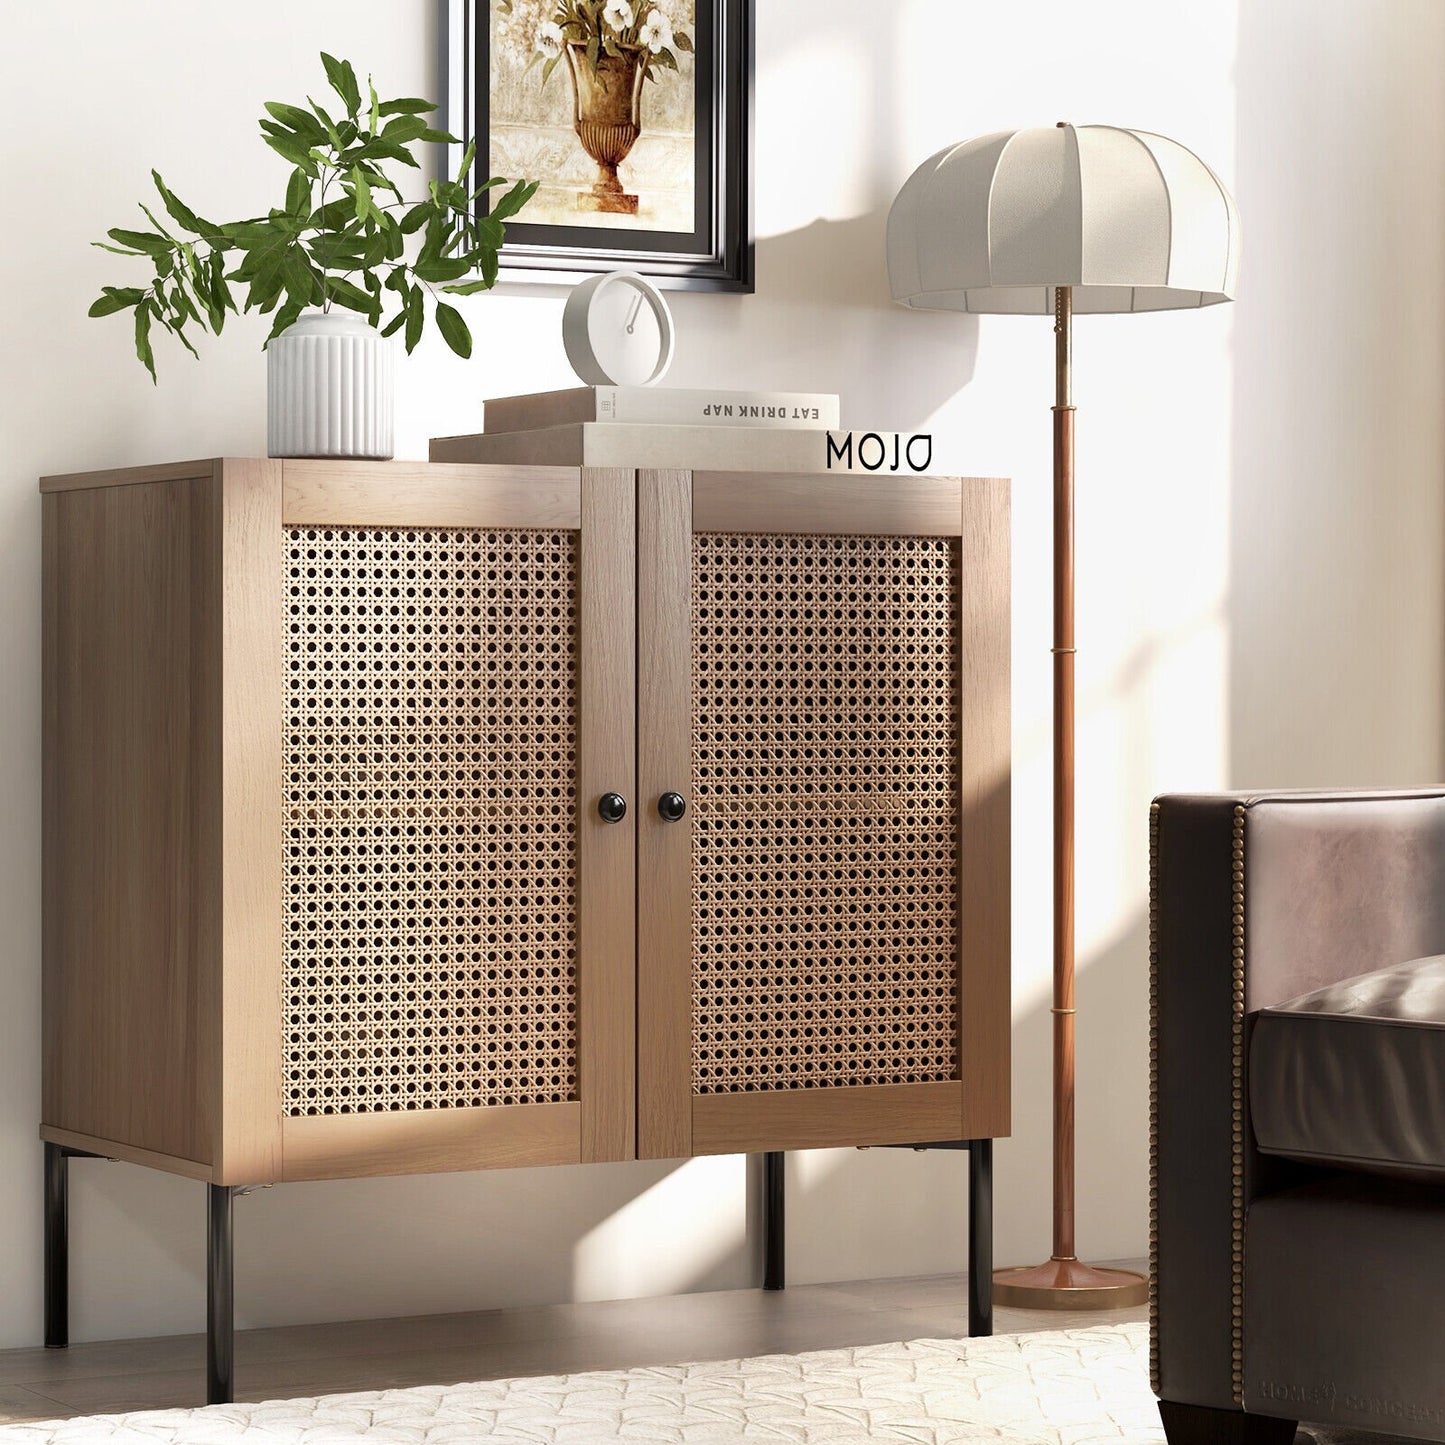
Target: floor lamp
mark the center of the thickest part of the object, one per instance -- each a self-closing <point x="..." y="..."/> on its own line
<point x="1058" y="220"/>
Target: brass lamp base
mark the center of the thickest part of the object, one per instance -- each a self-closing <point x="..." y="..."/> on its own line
<point x="1067" y="1284"/>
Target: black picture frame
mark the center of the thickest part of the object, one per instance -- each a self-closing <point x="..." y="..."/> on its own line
<point x="718" y="254"/>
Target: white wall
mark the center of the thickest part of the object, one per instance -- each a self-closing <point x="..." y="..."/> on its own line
<point x="1260" y="538"/>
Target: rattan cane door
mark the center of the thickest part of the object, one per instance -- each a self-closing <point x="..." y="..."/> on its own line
<point x="457" y="962"/>
<point x="823" y="944"/>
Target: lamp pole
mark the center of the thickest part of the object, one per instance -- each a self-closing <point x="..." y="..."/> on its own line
<point x="1064" y="1282"/>
<point x="1063" y="654"/>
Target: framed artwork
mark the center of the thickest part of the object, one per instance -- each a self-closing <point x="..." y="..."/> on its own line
<point x="634" y="116"/>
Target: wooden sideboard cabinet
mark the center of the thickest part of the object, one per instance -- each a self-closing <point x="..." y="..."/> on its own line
<point x="412" y="817"/>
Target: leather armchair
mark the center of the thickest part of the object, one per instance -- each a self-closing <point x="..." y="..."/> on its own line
<point x="1298" y="1123"/>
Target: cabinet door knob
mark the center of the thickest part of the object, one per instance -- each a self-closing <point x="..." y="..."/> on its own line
<point x="612" y="807"/>
<point x="671" y="806"/>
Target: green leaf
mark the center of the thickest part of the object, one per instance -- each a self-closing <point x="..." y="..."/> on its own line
<point x="362" y="194"/>
<point x="301" y="280"/>
<point x="468" y="156"/>
<point x="415" y="318"/>
<point x="176" y="328"/>
<point x="509" y="204"/>
<point x="298" y="194"/>
<point x="338" y="252"/>
<point x="438" y="137"/>
<point x="407" y="105"/>
<point x="116" y="250"/>
<point x="115" y="298"/>
<point x="404" y="128"/>
<point x="550" y="66"/>
<point x="454" y="330"/>
<point x="395" y="324"/>
<point x="249" y="234"/>
<point x="141" y="241"/>
<point x="177" y="210"/>
<point x="343" y="82"/>
<point x="349" y="295"/>
<point x="489" y="232"/>
<point x="286" y="316"/>
<point x="150" y="215"/>
<point x="374" y="119"/>
<point x="299" y="122"/>
<point x="416" y="218"/>
<point x="378" y="146"/>
<point x="143" y="338"/>
<point x="290" y="149"/>
<point x="332" y="133"/>
<point x="395" y="240"/>
<point x="469" y="288"/>
<point x="440" y="270"/>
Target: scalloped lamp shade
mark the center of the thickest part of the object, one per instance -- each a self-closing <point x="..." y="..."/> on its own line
<point x="1131" y="221"/>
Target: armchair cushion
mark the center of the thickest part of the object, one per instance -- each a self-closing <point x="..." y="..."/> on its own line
<point x="1352" y="1075"/>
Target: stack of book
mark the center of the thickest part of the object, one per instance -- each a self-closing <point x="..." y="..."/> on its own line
<point x="655" y="427"/>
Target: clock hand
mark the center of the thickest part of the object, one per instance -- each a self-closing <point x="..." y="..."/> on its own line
<point x="632" y="315"/>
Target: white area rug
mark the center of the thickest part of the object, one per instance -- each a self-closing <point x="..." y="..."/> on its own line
<point x="1067" y="1387"/>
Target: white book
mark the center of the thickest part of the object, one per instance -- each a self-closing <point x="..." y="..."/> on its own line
<point x="663" y="406"/>
<point x="697" y="448"/>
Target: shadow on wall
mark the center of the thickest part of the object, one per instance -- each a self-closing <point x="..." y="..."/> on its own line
<point x="813" y="268"/>
<point x="359" y="1249"/>
<point x="821" y="320"/>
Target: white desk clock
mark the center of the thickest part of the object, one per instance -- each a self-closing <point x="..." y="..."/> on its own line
<point x="618" y="331"/>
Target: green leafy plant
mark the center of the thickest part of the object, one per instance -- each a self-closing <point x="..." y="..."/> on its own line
<point x="598" y="29"/>
<point x="344" y="237"/>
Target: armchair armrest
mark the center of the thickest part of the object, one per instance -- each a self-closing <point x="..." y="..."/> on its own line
<point x="1254" y="899"/>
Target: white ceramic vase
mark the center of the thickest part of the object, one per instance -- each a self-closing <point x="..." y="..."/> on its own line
<point x="330" y="389"/>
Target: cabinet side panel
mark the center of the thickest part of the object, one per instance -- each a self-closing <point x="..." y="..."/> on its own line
<point x="132" y="794"/>
<point x="984" y="818"/>
<point x="251" y="728"/>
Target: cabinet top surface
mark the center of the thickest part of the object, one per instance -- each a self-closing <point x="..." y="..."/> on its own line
<point x="402" y="472"/>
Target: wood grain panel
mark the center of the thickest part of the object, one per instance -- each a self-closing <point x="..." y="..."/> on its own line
<point x="248" y="838"/>
<point x="885" y="506"/>
<point x="355" y="1146"/>
<point x="826" y="1118"/>
<point x="132" y="802"/>
<point x="128" y="1153"/>
<point x="607" y="860"/>
<point x="984" y="822"/>
<point x="664" y="850"/>
<point x="423" y="494"/>
<point x="197" y="471"/>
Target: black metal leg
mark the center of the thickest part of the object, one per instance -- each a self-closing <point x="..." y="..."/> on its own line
<point x="220" y="1301"/>
<point x="980" y="1236"/>
<point x="774" y="1274"/>
<point x="57" y="1247"/>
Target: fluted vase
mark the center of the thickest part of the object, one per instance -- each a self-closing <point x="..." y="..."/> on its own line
<point x="330" y="389"/>
<point x="608" y="118"/>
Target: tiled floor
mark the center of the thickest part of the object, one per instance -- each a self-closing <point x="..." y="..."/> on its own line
<point x="553" y="1339"/>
